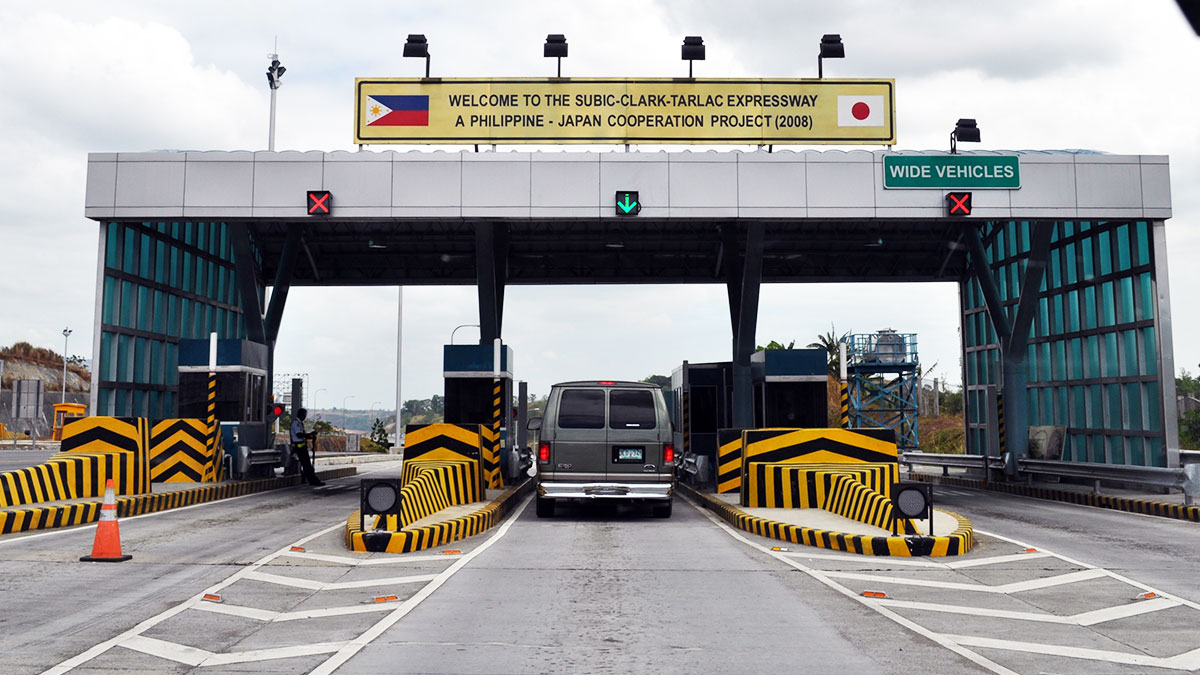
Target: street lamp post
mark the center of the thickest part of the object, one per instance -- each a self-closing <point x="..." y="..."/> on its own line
<point x="315" y="399"/>
<point x="465" y="325"/>
<point x="274" y="72"/>
<point x="66" y="338"/>
<point x="344" y="415"/>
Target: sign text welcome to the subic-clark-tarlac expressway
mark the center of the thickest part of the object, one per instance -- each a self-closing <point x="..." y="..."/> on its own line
<point x="952" y="172"/>
<point x="554" y="111"/>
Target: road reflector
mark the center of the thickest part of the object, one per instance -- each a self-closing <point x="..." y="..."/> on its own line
<point x="1148" y="595"/>
<point x="212" y="598"/>
<point x="386" y="598"/>
<point x="1030" y="550"/>
<point x="874" y="594"/>
<point x="452" y="552"/>
<point x="299" y="549"/>
<point x="780" y="548"/>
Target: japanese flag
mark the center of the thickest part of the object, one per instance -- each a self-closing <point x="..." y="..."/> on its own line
<point x="860" y="111"/>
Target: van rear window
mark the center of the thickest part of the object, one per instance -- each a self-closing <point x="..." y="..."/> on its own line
<point x="581" y="409"/>
<point x="631" y="410"/>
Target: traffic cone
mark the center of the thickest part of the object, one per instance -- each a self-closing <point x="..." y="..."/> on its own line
<point x="107" y="546"/>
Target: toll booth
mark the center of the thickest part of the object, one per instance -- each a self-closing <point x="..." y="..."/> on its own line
<point x="241" y="394"/>
<point x="63" y="413"/>
<point x="790" y="388"/>
<point x="701" y="402"/>
<point x="470" y="390"/>
<point x="789" y="391"/>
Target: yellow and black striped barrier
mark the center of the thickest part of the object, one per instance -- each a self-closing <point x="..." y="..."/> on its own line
<point x="430" y="486"/>
<point x="850" y="498"/>
<point x="185" y="451"/>
<point x="729" y="460"/>
<point x="816" y="446"/>
<point x="82" y="513"/>
<point x="491" y="454"/>
<point x="447" y="442"/>
<point x="785" y="485"/>
<point x="435" y="534"/>
<point x="956" y="543"/>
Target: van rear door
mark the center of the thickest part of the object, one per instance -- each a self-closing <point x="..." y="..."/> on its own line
<point x="580" y="440"/>
<point x="634" y="443"/>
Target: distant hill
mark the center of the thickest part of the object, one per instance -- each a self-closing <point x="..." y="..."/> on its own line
<point x="23" y="361"/>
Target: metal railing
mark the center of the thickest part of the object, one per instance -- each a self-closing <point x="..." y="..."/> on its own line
<point x="1185" y="478"/>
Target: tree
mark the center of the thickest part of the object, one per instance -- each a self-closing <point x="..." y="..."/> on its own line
<point x="661" y="380"/>
<point x="437" y="405"/>
<point x="831" y="343"/>
<point x="1186" y="385"/>
<point x="379" y="434"/>
<point x="775" y="345"/>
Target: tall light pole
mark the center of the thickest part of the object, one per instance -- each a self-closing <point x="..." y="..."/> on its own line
<point x="315" y="398"/>
<point x="274" y="72"/>
<point x="66" y="338"/>
<point x="344" y="415"/>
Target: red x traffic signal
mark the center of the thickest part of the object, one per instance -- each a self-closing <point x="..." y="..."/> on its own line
<point x="958" y="203"/>
<point x="320" y="202"/>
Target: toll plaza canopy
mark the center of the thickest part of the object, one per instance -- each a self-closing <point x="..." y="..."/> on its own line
<point x="1062" y="270"/>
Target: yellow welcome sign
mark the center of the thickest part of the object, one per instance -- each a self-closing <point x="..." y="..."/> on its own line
<point x="658" y="111"/>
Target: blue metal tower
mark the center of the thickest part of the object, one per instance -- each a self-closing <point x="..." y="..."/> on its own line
<point x="881" y="369"/>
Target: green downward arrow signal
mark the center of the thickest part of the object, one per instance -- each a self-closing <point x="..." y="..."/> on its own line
<point x="627" y="205"/>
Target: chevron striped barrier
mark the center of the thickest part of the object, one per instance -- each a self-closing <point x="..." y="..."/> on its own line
<point x="430" y="486"/>
<point x="729" y="460"/>
<point x="845" y="412"/>
<point x="82" y="513"/>
<point x="850" y="498"/>
<point x="815" y="446"/>
<point x="957" y="543"/>
<point x="185" y="451"/>
<point x="435" y="534"/>
<point x="447" y="442"/>
<point x="95" y="450"/>
<point x="807" y="486"/>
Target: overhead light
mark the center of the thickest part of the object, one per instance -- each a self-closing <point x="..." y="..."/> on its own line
<point x="966" y="131"/>
<point x="614" y="244"/>
<point x="555" y="48"/>
<point x="371" y="244"/>
<point x="693" y="50"/>
<point x="416" y="47"/>
<point x="831" y="48"/>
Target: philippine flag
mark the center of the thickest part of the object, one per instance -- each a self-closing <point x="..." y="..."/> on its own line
<point x="397" y="111"/>
<point x="860" y="111"/>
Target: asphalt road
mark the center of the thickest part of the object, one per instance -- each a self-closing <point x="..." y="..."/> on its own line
<point x="599" y="590"/>
<point x="21" y="457"/>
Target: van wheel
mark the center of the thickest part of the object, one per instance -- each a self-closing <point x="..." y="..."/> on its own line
<point x="663" y="509"/>
<point x="545" y="507"/>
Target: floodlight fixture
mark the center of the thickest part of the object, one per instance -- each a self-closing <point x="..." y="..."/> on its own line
<point x="831" y="48"/>
<point x="556" y="48"/>
<point x="966" y="131"/>
<point x="416" y="47"/>
<point x="693" y="50"/>
<point x="274" y="72"/>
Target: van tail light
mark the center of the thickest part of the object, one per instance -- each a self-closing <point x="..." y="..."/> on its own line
<point x="668" y="453"/>
<point x="543" y="452"/>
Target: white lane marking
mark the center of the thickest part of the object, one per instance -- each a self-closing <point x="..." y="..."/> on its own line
<point x="336" y="585"/>
<point x="1082" y="619"/>
<point x="1014" y="587"/>
<point x="974" y="657"/>
<point x="995" y="560"/>
<point x="1063" y="650"/>
<point x="137" y="630"/>
<point x="1114" y="575"/>
<point x="68" y="530"/>
<point x="882" y="561"/>
<point x="171" y="651"/>
<point x="268" y="615"/>
<point x="355" y="645"/>
<point x="344" y="560"/>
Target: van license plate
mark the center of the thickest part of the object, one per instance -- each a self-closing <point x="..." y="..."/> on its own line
<point x="629" y="454"/>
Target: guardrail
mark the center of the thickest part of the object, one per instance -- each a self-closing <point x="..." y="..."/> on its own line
<point x="1185" y="478"/>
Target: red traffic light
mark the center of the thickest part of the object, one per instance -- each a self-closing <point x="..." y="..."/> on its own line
<point x="277" y="410"/>
<point x="958" y="203"/>
<point x="320" y="202"/>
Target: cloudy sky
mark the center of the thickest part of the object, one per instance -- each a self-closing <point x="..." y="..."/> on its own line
<point x="81" y="77"/>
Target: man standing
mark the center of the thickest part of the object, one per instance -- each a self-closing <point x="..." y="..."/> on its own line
<point x="300" y="439"/>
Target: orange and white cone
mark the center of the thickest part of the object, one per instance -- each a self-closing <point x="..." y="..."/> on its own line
<point x="107" y="546"/>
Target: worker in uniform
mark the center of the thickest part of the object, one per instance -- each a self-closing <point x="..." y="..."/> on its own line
<point x="300" y="448"/>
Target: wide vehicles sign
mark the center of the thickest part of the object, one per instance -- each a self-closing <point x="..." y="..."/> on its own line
<point x="657" y="111"/>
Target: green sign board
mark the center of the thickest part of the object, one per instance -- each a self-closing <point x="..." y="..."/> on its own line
<point x="951" y="172"/>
